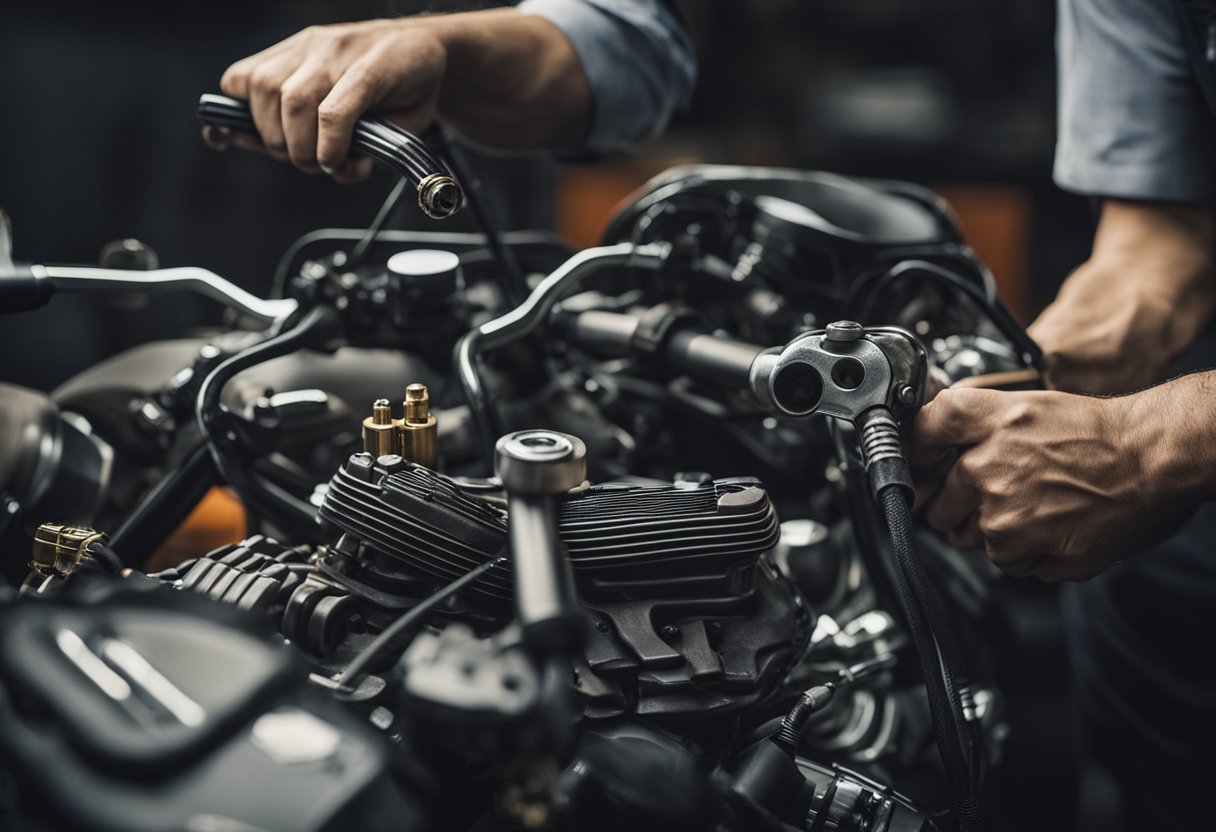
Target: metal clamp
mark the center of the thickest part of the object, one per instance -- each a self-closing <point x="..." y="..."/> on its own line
<point x="843" y="371"/>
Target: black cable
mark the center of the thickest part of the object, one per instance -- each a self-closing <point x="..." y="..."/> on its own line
<point x="263" y="497"/>
<point x="105" y="558"/>
<point x="164" y="507"/>
<point x="393" y="632"/>
<point x="790" y="733"/>
<point x="472" y="385"/>
<point x="954" y="681"/>
<point x="984" y="297"/>
<point x="934" y="663"/>
<point x="514" y="283"/>
<point x="387" y="209"/>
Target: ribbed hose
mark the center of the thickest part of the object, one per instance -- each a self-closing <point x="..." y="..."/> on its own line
<point x="789" y="734"/>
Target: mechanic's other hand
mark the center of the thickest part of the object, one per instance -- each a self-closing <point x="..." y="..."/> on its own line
<point x="1142" y="297"/>
<point x="307" y="92"/>
<point x="1047" y="483"/>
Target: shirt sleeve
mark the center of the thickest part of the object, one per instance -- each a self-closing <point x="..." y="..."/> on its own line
<point x="1132" y="121"/>
<point x="638" y="59"/>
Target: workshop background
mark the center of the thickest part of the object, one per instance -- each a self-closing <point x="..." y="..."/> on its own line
<point x="98" y="141"/>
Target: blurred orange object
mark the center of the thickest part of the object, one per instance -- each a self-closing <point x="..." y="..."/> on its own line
<point x="218" y="519"/>
<point x="588" y="196"/>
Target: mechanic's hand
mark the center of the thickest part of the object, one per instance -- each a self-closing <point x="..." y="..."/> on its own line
<point x="1047" y="483"/>
<point x="307" y="92"/>
<point x="1142" y="297"/>
<point x="498" y="77"/>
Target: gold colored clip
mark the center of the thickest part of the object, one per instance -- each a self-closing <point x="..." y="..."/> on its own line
<point x="58" y="551"/>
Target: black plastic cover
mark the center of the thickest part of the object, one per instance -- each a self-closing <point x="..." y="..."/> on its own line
<point x="133" y="686"/>
<point x="198" y="719"/>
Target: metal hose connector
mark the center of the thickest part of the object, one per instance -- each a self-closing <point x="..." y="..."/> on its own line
<point x="880" y="438"/>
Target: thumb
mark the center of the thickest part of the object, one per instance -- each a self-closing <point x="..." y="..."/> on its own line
<point x="957" y="417"/>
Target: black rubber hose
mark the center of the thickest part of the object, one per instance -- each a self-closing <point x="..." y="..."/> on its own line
<point x="945" y="714"/>
<point x="888" y="472"/>
<point x="262" y="497"/>
<point x="389" y="207"/>
<point x="529" y="316"/>
<point x="954" y="679"/>
<point x="165" y="507"/>
<point x="789" y="734"/>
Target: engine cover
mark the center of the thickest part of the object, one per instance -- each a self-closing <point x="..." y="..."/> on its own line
<point x="688" y="616"/>
<point x="624" y="541"/>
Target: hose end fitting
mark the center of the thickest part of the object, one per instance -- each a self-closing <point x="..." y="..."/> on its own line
<point x="883" y="454"/>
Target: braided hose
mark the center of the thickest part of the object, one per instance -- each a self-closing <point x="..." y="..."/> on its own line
<point x="950" y="704"/>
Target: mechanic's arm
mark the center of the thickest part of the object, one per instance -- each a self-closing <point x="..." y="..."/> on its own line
<point x="1134" y="131"/>
<point x="503" y="78"/>
<point x="1144" y="295"/>
<point x="591" y="75"/>
<point x="1061" y="485"/>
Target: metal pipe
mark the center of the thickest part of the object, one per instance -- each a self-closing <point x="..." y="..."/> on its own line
<point x="194" y="278"/>
<point x="531" y="314"/>
<point x="261" y="496"/>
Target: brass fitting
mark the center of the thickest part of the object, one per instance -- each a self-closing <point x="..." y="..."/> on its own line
<point x="417" y="433"/>
<point x="379" y="431"/>
<point x="58" y="551"/>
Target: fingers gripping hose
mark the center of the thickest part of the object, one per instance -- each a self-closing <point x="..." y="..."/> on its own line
<point x="936" y="646"/>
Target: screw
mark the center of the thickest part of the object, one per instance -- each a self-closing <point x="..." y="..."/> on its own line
<point x="907" y="395"/>
<point x="671" y="631"/>
<point x="602" y="626"/>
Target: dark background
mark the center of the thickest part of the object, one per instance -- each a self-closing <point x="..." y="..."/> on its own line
<point x="98" y="141"/>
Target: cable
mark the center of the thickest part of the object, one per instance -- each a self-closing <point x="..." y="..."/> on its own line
<point x="952" y="714"/>
<point x="531" y="314"/>
<point x="393" y="632"/>
<point x="935" y="664"/>
<point x="790" y="732"/>
<point x="387" y="209"/>
<point x="164" y="507"/>
<point x="514" y="282"/>
<point x="263" y="497"/>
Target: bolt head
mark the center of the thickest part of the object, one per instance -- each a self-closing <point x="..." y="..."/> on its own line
<point x="541" y="462"/>
<point x="843" y="331"/>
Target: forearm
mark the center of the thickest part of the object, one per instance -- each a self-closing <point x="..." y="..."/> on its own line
<point x="1143" y="296"/>
<point x="512" y="80"/>
<point x="1175" y="426"/>
<point x="1165" y="252"/>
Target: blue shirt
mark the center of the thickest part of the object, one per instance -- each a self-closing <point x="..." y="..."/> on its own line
<point x="638" y="59"/>
<point x="1132" y="122"/>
